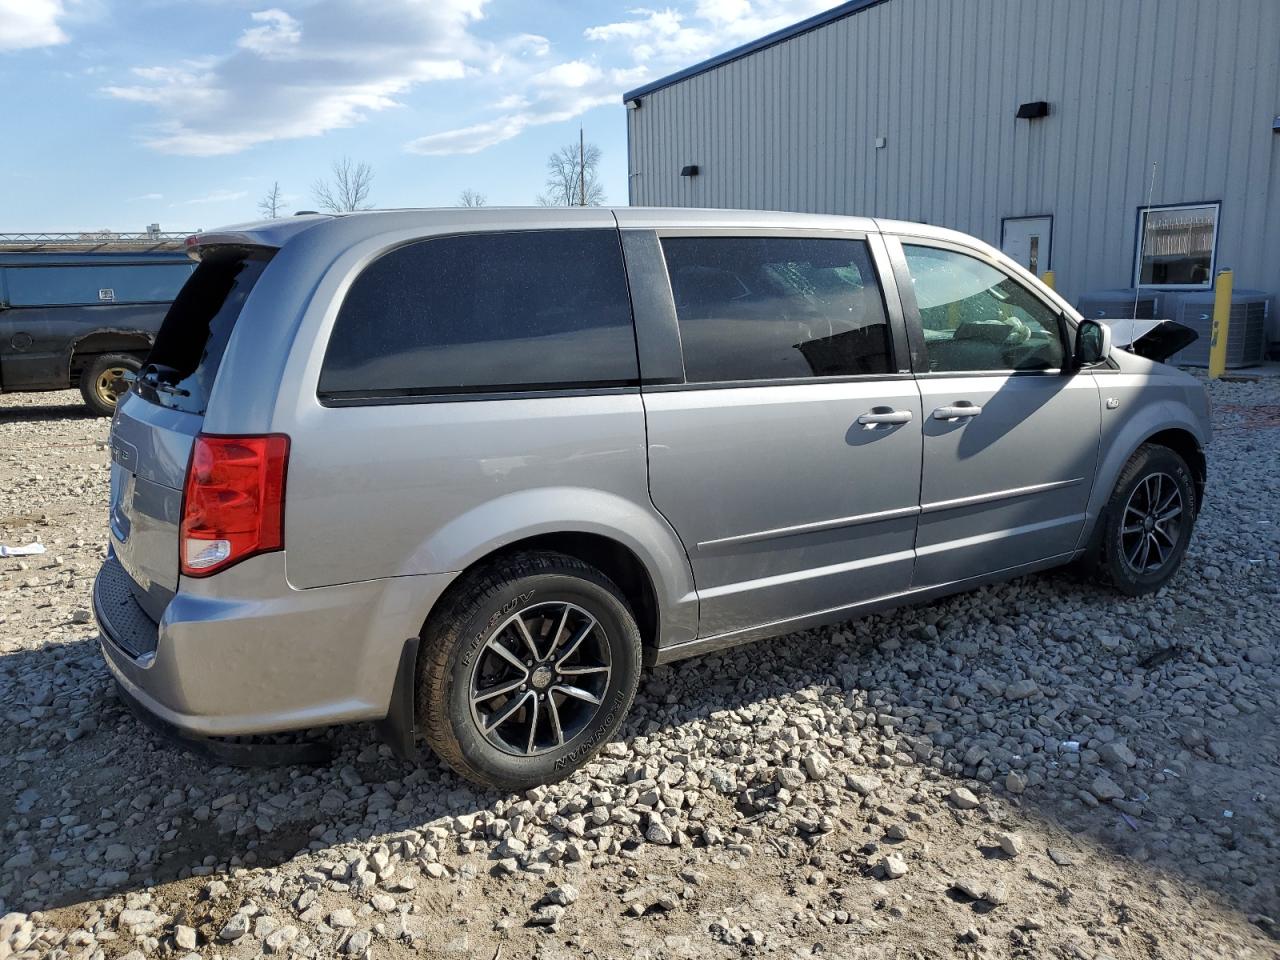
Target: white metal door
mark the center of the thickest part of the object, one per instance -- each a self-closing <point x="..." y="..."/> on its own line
<point x="1027" y="240"/>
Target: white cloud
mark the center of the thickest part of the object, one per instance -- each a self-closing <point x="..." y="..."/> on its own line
<point x="279" y="34"/>
<point x="321" y="65"/>
<point x="481" y="136"/>
<point x="31" y="23"/>
<point x="669" y="39"/>
<point x="217" y="196"/>
<point x="328" y="65"/>
<point x="644" y="46"/>
<point x="571" y="75"/>
<point x="147" y="196"/>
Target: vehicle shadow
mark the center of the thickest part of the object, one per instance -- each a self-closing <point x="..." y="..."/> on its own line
<point x="31" y="413"/>
<point x="106" y="807"/>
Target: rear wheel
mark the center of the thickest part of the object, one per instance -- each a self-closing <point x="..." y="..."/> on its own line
<point x="527" y="669"/>
<point x="1148" y="521"/>
<point x="103" y="382"/>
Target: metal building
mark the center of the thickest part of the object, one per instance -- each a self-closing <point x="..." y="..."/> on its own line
<point x="1033" y="124"/>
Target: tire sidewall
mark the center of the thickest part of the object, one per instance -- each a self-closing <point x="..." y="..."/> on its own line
<point x="1147" y="461"/>
<point x="624" y="648"/>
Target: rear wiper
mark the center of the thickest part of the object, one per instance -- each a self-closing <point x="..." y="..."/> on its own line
<point x="161" y="378"/>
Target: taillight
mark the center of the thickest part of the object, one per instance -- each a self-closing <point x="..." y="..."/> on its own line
<point x="233" y="501"/>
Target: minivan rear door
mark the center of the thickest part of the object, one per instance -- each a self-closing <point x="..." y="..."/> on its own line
<point x="155" y="426"/>
<point x="786" y="451"/>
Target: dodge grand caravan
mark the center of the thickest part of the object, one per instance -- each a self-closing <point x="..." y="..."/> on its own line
<point x="464" y="471"/>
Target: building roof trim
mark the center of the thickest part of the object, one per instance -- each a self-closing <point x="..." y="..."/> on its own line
<point x="847" y="9"/>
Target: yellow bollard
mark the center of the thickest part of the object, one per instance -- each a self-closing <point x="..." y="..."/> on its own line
<point x="1221" y="321"/>
<point x="1049" y="280"/>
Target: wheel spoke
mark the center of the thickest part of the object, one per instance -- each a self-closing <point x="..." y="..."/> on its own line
<point x="1155" y="544"/>
<point x="577" y="693"/>
<point x="1169" y="538"/>
<point x="533" y="726"/>
<point x="1135" y="528"/>
<point x="507" y="712"/>
<point x="554" y="711"/>
<point x="1146" y="553"/>
<point x="1169" y="514"/>
<point x="555" y="637"/>
<point x="582" y="671"/>
<point x="576" y="642"/>
<point x="1132" y="555"/>
<point x="526" y="636"/>
<point x="488" y="694"/>
<point x="497" y="647"/>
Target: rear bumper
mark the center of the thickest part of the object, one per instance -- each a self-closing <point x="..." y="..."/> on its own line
<point x="262" y="657"/>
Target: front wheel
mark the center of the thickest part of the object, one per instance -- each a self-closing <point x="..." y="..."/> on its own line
<point x="1148" y="521"/>
<point x="527" y="669"/>
<point x="103" y="381"/>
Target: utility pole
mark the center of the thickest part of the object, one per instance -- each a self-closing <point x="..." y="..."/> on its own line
<point x="582" y="170"/>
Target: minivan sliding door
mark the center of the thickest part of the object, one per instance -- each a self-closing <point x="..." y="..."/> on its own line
<point x="785" y="444"/>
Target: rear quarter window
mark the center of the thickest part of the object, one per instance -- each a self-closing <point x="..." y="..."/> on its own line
<point x="489" y="312"/>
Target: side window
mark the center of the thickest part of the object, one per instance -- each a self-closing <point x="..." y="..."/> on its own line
<point x="755" y="308"/>
<point x="485" y="312"/>
<point x="977" y="318"/>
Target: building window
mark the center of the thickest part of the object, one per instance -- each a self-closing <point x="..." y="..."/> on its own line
<point x="1177" y="245"/>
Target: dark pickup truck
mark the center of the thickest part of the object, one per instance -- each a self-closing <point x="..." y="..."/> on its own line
<point x="83" y="315"/>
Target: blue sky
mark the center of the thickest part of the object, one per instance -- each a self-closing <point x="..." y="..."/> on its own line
<point x="120" y="113"/>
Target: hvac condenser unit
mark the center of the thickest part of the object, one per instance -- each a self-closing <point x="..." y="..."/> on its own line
<point x="1246" y="335"/>
<point x="1119" y="304"/>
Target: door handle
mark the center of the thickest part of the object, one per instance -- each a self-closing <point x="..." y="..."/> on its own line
<point x="959" y="411"/>
<point x="877" y="417"/>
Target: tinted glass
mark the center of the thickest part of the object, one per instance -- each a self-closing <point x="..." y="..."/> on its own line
<point x="193" y="337"/>
<point x="977" y="318"/>
<point x="1177" y="245"/>
<point x="484" y="312"/>
<point x="91" y="284"/>
<point x="753" y="308"/>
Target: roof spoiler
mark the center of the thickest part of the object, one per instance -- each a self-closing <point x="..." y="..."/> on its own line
<point x="271" y="234"/>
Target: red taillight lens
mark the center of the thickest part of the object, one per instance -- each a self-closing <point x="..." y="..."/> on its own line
<point x="233" y="503"/>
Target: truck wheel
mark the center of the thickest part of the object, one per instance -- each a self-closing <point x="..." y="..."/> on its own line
<point x="525" y="671"/>
<point x="102" y="381"/>
<point x="1148" y="521"/>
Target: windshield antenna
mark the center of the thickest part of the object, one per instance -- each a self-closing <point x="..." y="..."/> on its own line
<point x="1142" y="242"/>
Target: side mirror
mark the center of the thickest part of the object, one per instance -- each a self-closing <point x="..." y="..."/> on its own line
<point x="1093" y="343"/>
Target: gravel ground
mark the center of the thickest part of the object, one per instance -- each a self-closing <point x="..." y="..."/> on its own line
<point x="1038" y="769"/>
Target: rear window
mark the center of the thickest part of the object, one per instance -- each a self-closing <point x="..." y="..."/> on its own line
<point x="493" y="312"/>
<point x="188" y="350"/>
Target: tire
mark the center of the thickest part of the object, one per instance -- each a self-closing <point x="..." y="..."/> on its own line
<point x="459" y="660"/>
<point x="1154" y="475"/>
<point x="101" y="381"/>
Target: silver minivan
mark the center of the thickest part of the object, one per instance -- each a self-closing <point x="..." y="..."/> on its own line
<point x="465" y="471"/>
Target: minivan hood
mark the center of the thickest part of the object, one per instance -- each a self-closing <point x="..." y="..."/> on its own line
<point x="1156" y="340"/>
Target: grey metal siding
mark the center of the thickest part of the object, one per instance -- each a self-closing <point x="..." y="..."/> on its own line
<point x="1191" y="85"/>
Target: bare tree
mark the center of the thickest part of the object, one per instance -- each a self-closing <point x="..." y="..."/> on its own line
<point x="270" y="204"/>
<point x="471" y="198"/>
<point x="572" y="178"/>
<point x="347" y="190"/>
